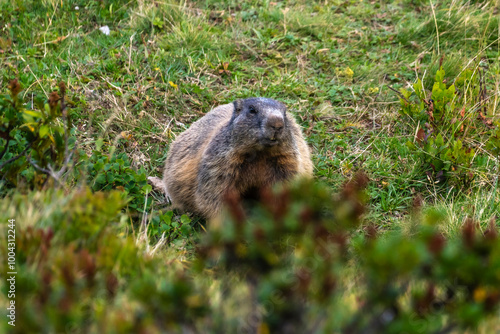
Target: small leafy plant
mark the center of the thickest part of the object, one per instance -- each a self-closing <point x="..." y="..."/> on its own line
<point x="173" y="228"/>
<point x="114" y="171"/>
<point x="36" y="145"/>
<point x="448" y="123"/>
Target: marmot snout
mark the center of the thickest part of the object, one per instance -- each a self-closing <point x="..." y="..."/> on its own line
<point x="236" y="148"/>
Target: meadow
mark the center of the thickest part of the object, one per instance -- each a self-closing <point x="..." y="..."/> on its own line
<point x="398" y="101"/>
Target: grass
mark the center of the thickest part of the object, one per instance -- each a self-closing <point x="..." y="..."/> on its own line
<point x="166" y="63"/>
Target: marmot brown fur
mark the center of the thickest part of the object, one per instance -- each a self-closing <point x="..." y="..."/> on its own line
<point x="236" y="148"/>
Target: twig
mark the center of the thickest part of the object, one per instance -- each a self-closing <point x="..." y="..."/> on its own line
<point x="16" y="157"/>
<point x="65" y="164"/>
<point x="57" y="40"/>
<point x="483" y="93"/>
<point x="50" y="171"/>
<point x="399" y="94"/>
<point x="41" y="169"/>
<point x="436" y="24"/>
<point x="38" y="81"/>
<point x="130" y="52"/>
<point x="116" y="87"/>
<point x="57" y="175"/>
<point x="6" y="146"/>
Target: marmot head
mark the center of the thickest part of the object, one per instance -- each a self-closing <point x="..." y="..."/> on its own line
<point x="260" y="123"/>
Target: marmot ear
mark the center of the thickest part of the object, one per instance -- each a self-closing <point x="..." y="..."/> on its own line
<point x="283" y="105"/>
<point x="238" y="106"/>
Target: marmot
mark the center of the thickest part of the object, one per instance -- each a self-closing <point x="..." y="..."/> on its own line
<point x="239" y="147"/>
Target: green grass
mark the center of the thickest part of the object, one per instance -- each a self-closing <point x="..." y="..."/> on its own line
<point x="166" y="63"/>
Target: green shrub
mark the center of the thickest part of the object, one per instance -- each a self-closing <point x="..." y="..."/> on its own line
<point x="114" y="171"/>
<point x="38" y="148"/>
<point x="448" y="123"/>
<point x="35" y="145"/>
<point x="78" y="271"/>
<point x="309" y="269"/>
<point x="302" y="261"/>
<point x="177" y="229"/>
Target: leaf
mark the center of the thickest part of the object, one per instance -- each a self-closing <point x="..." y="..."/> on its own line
<point x="29" y="126"/>
<point x="98" y="166"/>
<point x="405" y="92"/>
<point x="185" y="219"/>
<point x="33" y="113"/>
<point x="418" y="87"/>
<point x="439" y="140"/>
<point x="450" y="93"/>
<point x="439" y="75"/>
<point x="420" y="135"/>
<point x="5" y="44"/>
<point x="101" y="179"/>
<point x="348" y="72"/>
<point x="173" y="85"/>
<point x="59" y="129"/>
<point x="44" y="130"/>
<point x="410" y="145"/>
<point x="98" y="144"/>
<point x="146" y="189"/>
<point x="167" y="217"/>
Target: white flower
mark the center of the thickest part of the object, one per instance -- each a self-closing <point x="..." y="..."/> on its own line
<point x="105" y="30"/>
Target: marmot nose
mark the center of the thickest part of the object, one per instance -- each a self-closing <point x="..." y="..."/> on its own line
<point x="275" y="123"/>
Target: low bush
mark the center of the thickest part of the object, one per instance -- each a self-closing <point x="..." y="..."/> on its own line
<point x="302" y="261"/>
<point x="78" y="271"/>
<point x="37" y="145"/>
<point x="313" y="265"/>
<point x="450" y="122"/>
<point x="114" y="171"/>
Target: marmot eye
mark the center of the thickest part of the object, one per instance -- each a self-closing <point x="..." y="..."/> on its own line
<point x="252" y="110"/>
